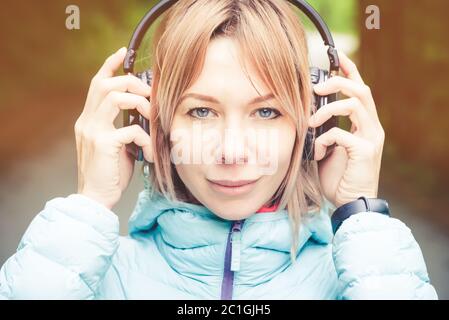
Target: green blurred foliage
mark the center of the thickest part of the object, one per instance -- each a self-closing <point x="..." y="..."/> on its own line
<point x="340" y="16"/>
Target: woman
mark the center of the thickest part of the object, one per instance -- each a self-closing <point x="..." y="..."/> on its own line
<point x="230" y="228"/>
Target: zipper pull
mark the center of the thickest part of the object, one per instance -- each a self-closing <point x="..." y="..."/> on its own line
<point x="236" y="237"/>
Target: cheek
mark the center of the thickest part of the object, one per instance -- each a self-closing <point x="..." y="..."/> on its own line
<point x="275" y="150"/>
<point x="185" y="140"/>
<point x="184" y="153"/>
<point x="193" y="143"/>
<point x="188" y="175"/>
<point x="286" y="147"/>
<point x="193" y="151"/>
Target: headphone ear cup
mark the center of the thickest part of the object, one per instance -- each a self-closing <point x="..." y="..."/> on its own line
<point x="132" y="116"/>
<point x="318" y="75"/>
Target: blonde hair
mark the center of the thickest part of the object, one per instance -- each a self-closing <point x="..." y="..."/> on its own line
<point x="270" y="35"/>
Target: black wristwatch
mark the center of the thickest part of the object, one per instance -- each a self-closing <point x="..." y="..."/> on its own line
<point x="362" y="204"/>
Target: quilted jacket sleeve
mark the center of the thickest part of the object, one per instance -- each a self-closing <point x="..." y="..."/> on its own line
<point x="65" y="252"/>
<point x="377" y="257"/>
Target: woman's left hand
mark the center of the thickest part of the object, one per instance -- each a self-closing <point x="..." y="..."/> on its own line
<point x="352" y="169"/>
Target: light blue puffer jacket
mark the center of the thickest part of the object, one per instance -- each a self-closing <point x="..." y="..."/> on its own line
<point x="72" y="250"/>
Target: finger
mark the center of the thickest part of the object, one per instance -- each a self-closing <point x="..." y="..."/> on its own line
<point x="350" y="142"/>
<point x="100" y="89"/>
<point x="112" y="64"/>
<point x="137" y="135"/>
<point x="116" y="101"/>
<point x="351" y="107"/>
<point x="349" y="88"/>
<point x="336" y="84"/>
<point x="125" y="83"/>
<point x="349" y="68"/>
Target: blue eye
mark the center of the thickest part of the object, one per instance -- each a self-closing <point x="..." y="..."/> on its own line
<point x="267" y="113"/>
<point x="199" y="112"/>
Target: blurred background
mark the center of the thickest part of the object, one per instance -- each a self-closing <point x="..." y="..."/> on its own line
<point x="46" y="70"/>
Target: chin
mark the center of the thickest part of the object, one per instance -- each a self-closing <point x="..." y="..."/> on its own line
<point x="232" y="210"/>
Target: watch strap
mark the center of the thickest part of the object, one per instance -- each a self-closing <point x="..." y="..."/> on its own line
<point x="362" y="204"/>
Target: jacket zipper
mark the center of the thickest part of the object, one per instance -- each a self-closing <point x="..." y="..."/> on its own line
<point x="232" y="259"/>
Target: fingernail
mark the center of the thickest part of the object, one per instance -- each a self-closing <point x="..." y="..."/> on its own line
<point x="122" y="50"/>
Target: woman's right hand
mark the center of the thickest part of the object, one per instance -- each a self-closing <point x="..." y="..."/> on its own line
<point x="105" y="167"/>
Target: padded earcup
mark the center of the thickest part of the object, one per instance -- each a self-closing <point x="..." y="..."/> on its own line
<point x="318" y="75"/>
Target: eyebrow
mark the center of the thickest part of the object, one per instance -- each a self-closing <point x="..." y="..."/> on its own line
<point x="214" y="100"/>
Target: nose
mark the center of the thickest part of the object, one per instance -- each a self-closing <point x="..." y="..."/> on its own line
<point x="234" y="147"/>
<point x="232" y="155"/>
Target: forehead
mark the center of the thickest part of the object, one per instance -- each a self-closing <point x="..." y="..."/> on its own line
<point x="223" y="74"/>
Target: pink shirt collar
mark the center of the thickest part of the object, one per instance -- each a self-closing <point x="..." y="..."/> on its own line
<point x="268" y="209"/>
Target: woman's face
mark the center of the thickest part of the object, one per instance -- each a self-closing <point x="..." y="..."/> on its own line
<point x="231" y="146"/>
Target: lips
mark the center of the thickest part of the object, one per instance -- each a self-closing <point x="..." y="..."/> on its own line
<point x="233" y="187"/>
<point x="231" y="183"/>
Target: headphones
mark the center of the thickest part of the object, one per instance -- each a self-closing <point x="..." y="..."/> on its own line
<point x="131" y="117"/>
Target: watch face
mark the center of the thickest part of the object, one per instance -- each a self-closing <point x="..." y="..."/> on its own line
<point x="379" y="205"/>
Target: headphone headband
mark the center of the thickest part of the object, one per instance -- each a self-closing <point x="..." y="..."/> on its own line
<point x="163" y="5"/>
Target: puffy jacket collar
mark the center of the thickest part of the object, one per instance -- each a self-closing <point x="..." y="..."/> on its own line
<point x="179" y="226"/>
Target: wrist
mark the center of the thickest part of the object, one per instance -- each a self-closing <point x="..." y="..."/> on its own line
<point x="342" y="201"/>
<point x="98" y="198"/>
<point x="362" y="204"/>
